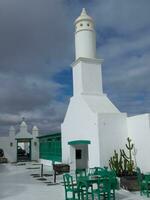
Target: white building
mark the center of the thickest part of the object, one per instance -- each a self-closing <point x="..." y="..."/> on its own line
<point x="93" y="127"/>
<point x="21" y="146"/>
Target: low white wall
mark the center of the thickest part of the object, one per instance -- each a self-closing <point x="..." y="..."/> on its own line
<point x="139" y="132"/>
<point x="45" y="162"/>
<point x="9" y="151"/>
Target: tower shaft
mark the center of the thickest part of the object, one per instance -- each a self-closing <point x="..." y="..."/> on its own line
<point x="85" y="37"/>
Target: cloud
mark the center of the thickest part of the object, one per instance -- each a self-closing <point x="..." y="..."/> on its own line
<point x="124" y="43"/>
<point x="33" y="49"/>
<point x="37" y="47"/>
<point x="123" y="16"/>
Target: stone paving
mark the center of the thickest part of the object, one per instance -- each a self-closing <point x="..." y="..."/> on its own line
<point x="22" y="182"/>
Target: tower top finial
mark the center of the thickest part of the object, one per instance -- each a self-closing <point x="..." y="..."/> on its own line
<point x="23" y="123"/>
<point x="83" y="12"/>
<point x="85" y="41"/>
<point x="83" y="16"/>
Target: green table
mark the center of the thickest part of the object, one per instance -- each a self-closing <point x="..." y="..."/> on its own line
<point x="87" y="182"/>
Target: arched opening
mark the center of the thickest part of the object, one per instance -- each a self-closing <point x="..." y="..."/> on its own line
<point x="23" y="150"/>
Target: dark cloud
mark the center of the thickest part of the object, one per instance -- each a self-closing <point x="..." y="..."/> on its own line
<point x="33" y="33"/>
<point x="34" y="38"/>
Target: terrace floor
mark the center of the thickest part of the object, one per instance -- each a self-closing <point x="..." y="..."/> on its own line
<point x="21" y="182"/>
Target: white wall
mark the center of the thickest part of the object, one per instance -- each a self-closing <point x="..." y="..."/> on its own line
<point x="106" y="131"/>
<point x="46" y="162"/>
<point x="112" y="135"/>
<point x="80" y="124"/>
<point x="139" y="132"/>
<point x="9" y="151"/>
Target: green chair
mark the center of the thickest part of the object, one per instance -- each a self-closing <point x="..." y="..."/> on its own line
<point x="80" y="173"/>
<point x="91" y="171"/>
<point x="98" y="170"/>
<point x="111" y="175"/>
<point x="85" y="190"/>
<point x="103" y="188"/>
<point x="70" y="190"/>
<point x="113" y="182"/>
<point x="144" y="182"/>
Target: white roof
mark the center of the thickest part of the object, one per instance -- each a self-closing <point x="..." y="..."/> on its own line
<point x="23" y="133"/>
<point x="100" y="104"/>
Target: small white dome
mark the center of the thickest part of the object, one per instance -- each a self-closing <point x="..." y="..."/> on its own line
<point x="35" y="128"/>
<point x="12" y="129"/>
<point x="84" y="16"/>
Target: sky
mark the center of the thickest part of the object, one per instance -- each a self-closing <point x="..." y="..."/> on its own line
<point x="37" y="49"/>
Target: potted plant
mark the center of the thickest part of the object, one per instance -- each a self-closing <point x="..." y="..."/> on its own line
<point x="123" y="164"/>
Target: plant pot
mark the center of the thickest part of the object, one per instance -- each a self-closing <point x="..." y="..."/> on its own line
<point x="129" y="183"/>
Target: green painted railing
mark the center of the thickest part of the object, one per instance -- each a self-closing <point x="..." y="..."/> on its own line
<point x="50" y="148"/>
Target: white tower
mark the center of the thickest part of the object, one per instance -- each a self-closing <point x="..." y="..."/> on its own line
<point x="87" y="78"/>
<point x="85" y="41"/>
<point x="92" y="123"/>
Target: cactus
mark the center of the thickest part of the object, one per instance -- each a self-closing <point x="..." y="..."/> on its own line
<point x="130" y="163"/>
<point x="124" y="163"/>
<point x="115" y="163"/>
<point x="125" y="159"/>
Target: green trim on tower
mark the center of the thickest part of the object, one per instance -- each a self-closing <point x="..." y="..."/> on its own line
<point x="74" y="142"/>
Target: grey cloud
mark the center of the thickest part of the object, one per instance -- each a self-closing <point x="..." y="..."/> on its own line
<point x="26" y="93"/>
<point x="34" y="37"/>
<point x="123" y="16"/>
<point x="33" y="31"/>
<point x="37" y="40"/>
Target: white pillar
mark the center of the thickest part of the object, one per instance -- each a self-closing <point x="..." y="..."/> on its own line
<point x="35" y="143"/>
<point x="12" y="145"/>
<point x="35" y="131"/>
<point x="12" y="132"/>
